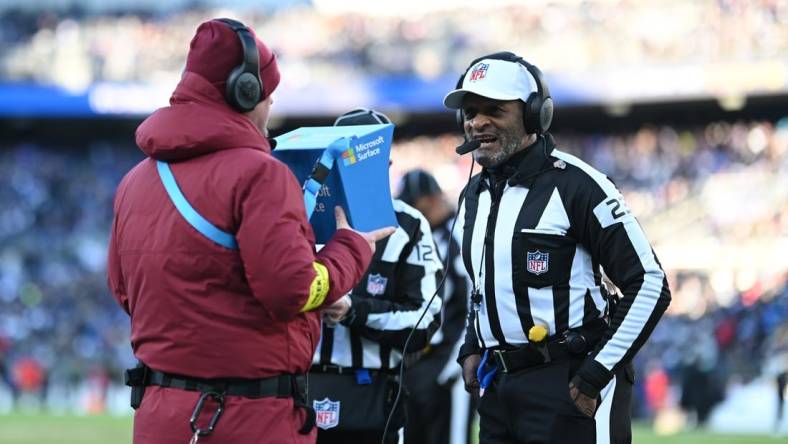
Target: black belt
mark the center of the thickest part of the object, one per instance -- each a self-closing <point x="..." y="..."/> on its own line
<point x="529" y="355"/>
<point x="281" y="386"/>
<point x="576" y="342"/>
<point x="337" y="370"/>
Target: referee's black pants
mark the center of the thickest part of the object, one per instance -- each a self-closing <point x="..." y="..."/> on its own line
<point x="533" y="406"/>
<point x="356" y="437"/>
<point x="432" y="408"/>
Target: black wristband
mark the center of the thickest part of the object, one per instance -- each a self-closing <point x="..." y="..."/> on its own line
<point x="360" y="311"/>
<point x="591" y="377"/>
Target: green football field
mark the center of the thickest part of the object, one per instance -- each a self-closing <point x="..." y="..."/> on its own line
<point x="42" y="429"/>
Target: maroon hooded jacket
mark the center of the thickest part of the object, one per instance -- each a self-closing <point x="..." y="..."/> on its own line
<point x="202" y="310"/>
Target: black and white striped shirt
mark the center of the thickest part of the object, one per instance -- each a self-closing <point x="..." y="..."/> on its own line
<point x="389" y="299"/>
<point x="549" y="226"/>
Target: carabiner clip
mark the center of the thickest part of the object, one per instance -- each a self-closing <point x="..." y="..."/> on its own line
<point x="219" y="398"/>
<point x="485" y="376"/>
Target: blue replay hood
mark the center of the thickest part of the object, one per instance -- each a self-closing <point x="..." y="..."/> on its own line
<point x="354" y="161"/>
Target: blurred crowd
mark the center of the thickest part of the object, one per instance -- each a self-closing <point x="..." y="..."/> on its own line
<point x="76" y="47"/>
<point x="61" y="330"/>
<point x="656" y="166"/>
<point x="57" y="324"/>
<point x="691" y="360"/>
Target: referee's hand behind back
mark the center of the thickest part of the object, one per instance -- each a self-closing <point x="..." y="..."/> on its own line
<point x="370" y="236"/>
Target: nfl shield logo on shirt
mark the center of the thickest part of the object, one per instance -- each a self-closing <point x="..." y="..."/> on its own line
<point x="376" y="284"/>
<point x="538" y="262"/>
<point x="326" y="413"/>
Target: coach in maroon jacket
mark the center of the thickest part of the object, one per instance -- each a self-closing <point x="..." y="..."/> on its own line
<point x="207" y="319"/>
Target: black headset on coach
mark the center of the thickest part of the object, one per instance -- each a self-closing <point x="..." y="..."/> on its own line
<point x="244" y="85"/>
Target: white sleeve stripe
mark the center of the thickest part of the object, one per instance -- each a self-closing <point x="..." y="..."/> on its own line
<point x="401" y="320"/>
<point x="602" y="415"/>
<point x="642" y="307"/>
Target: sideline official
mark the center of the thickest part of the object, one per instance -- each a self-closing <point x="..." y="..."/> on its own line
<point x="439" y="410"/>
<point x="212" y="257"/>
<point x="548" y="348"/>
<point x="354" y="377"/>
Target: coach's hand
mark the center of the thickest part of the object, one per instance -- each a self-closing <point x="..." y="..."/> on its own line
<point x="584" y="403"/>
<point x="469" y="366"/>
<point x="371" y="236"/>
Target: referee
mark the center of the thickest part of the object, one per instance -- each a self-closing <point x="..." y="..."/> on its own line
<point x="354" y="376"/>
<point x="549" y="350"/>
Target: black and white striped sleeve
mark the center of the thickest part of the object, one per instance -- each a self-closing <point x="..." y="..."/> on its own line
<point x="615" y="239"/>
<point x="416" y="270"/>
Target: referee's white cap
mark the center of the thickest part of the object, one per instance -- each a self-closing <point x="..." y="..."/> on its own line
<point x="495" y="79"/>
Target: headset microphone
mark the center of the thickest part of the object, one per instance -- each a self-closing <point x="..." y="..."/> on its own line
<point x="468" y="146"/>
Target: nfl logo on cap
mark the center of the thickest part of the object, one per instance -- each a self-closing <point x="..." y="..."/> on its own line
<point x="479" y="71"/>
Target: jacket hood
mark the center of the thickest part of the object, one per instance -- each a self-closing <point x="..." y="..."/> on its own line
<point x="198" y="121"/>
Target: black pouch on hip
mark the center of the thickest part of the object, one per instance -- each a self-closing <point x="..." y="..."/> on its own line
<point x="300" y="400"/>
<point x="136" y="378"/>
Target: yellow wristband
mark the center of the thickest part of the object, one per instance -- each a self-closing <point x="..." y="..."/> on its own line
<point x="319" y="288"/>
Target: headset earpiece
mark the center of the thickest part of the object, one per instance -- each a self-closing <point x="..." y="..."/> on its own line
<point x="546" y="115"/>
<point x="244" y="87"/>
<point x="459" y="116"/>
<point x="538" y="110"/>
<point x="531" y="112"/>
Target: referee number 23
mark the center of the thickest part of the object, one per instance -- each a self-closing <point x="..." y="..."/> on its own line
<point x="612" y="210"/>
